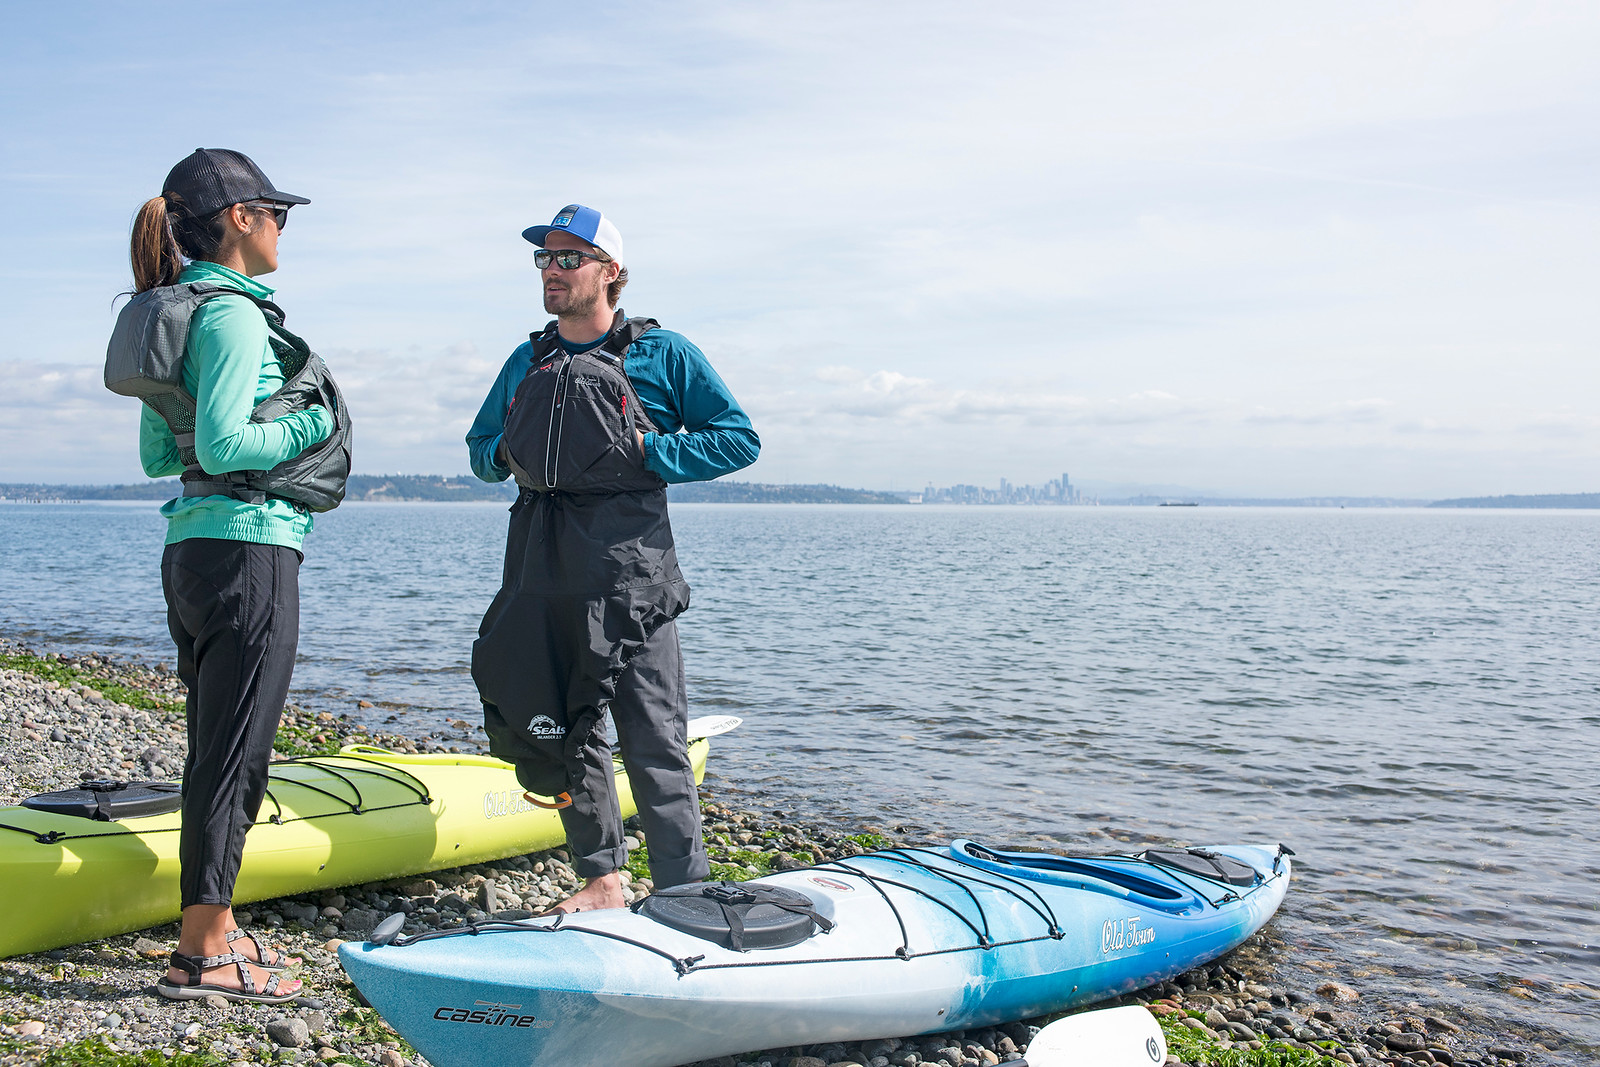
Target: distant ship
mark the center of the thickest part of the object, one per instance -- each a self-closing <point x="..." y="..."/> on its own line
<point x="1178" y="504"/>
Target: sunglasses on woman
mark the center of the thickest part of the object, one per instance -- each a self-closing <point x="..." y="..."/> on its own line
<point x="565" y="258"/>
<point x="280" y="212"/>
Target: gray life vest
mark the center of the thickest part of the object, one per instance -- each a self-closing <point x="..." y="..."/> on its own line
<point x="145" y="360"/>
<point x="571" y="424"/>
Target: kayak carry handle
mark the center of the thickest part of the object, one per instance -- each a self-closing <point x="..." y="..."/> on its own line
<point x="388" y="929"/>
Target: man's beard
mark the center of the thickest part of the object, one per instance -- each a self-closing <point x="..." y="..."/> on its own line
<point x="574" y="302"/>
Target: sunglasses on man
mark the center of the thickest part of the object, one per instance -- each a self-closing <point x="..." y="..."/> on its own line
<point x="565" y="258"/>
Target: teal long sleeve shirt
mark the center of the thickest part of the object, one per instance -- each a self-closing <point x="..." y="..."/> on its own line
<point x="705" y="433"/>
<point x="229" y="367"/>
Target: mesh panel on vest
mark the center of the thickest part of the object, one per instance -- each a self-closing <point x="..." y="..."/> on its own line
<point x="292" y="358"/>
<point x="180" y="418"/>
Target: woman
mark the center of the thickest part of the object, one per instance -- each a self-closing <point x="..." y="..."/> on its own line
<point x="230" y="568"/>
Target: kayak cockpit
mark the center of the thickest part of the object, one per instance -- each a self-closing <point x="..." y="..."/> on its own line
<point x="1151" y="878"/>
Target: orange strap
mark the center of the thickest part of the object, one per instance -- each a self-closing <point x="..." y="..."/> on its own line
<point x="561" y="800"/>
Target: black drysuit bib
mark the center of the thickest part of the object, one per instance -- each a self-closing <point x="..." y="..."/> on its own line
<point x="590" y="572"/>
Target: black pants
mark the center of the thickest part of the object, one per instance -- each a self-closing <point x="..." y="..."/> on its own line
<point x="233" y="609"/>
<point x="651" y="713"/>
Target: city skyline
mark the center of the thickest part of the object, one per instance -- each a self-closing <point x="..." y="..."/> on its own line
<point x="1055" y="491"/>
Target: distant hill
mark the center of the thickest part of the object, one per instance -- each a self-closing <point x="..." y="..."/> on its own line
<point x="1542" y="500"/>
<point x="720" y="492"/>
<point x="360" y="487"/>
<point x="426" y="487"/>
<point x="1272" y="502"/>
<point x="165" y="489"/>
<point x="436" y="487"/>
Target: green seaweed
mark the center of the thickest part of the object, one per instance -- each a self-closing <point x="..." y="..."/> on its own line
<point x="56" y="671"/>
<point x="727" y="872"/>
<point x="297" y="738"/>
<point x="1194" y="1047"/>
<point x="869" y="842"/>
<point x="639" y="862"/>
<point x="366" y="1026"/>
<point x="94" y="1052"/>
<point x="733" y="865"/>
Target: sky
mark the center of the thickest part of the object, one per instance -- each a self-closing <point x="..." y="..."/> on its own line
<point x="1252" y="249"/>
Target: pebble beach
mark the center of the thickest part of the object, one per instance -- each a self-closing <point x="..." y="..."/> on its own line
<point x="67" y="718"/>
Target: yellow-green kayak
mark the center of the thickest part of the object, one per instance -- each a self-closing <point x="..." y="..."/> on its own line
<point x="365" y="815"/>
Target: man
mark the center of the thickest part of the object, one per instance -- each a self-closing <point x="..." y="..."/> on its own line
<point x="594" y="416"/>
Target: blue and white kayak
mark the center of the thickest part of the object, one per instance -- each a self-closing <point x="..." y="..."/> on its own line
<point x="887" y="944"/>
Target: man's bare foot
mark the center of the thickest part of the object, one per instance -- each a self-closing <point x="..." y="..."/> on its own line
<point x="596" y="895"/>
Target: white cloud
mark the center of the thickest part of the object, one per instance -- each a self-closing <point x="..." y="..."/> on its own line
<point x="412" y="409"/>
<point x="1160" y="237"/>
<point x="1348" y="412"/>
<point x="58" y="423"/>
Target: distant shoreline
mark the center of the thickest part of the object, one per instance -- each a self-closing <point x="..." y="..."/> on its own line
<point x="420" y="488"/>
<point x="1545" y="500"/>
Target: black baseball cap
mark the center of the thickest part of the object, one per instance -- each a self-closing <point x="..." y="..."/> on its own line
<point x="214" y="178"/>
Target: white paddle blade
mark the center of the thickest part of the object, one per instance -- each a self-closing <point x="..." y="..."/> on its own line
<point x="1112" y="1037"/>
<point x="712" y="725"/>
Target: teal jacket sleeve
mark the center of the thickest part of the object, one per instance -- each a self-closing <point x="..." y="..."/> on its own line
<point x="707" y="433"/>
<point x="158" y="452"/>
<point x="483" y="438"/>
<point x="227" y="344"/>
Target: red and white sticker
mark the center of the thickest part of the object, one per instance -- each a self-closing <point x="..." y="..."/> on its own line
<point x="833" y="884"/>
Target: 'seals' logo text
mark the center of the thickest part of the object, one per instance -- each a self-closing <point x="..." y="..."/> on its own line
<point x="545" y="726"/>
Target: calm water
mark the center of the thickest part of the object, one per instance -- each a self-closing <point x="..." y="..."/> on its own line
<point x="1409" y="699"/>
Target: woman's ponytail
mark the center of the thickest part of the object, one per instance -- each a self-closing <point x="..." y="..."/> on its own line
<point x="165" y="234"/>
<point x="157" y="259"/>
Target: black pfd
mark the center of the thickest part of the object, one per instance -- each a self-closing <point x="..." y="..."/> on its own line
<point x="145" y="359"/>
<point x="591" y="571"/>
<point x="571" y="424"/>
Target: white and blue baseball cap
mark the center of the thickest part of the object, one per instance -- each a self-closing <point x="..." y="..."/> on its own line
<point x="584" y="222"/>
